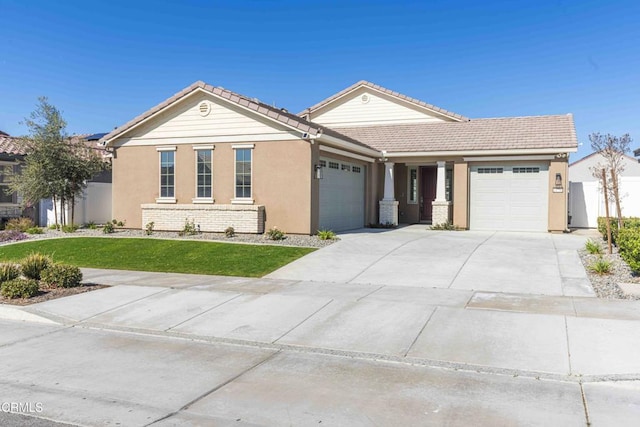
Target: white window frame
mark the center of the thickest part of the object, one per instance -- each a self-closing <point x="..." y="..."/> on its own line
<point x="160" y="150"/>
<point x="197" y="199"/>
<point x="4" y="185"/>
<point x="409" y="194"/>
<point x="242" y="200"/>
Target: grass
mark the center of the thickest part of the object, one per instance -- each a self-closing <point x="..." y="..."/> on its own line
<point x="170" y="256"/>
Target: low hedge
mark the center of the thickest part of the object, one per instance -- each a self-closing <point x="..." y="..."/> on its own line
<point x="20" y="288"/>
<point x="629" y="247"/>
<point x="627" y="222"/>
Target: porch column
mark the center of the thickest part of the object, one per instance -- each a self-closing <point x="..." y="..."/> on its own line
<point x="440" y="204"/>
<point x="388" y="204"/>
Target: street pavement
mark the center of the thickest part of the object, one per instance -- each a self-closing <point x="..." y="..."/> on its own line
<point x="170" y="349"/>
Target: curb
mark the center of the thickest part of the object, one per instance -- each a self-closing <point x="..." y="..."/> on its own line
<point x="19" y="314"/>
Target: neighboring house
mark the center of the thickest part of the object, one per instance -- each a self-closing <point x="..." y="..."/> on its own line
<point x="94" y="205"/>
<point x="586" y="200"/>
<point x="11" y="154"/>
<point x="365" y="155"/>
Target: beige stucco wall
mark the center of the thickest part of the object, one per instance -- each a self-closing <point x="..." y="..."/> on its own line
<point x="558" y="208"/>
<point x="461" y="194"/>
<point x="281" y="176"/>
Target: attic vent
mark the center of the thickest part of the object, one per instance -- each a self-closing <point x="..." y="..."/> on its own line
<point x="205" y="108"/>
<point x="364" y="98"/>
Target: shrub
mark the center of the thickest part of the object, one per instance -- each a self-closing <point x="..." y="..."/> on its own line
<point x="91" y="225"/>
<point x="593" y="247"/>
<point x="108" y="228"/>
<point x="54" y="227"/>
<point x="69" y="228"/>
<point x="19" y="288"/>
<point x="629" y="247"/>
<point x="601" y="266"/>
<point x="444" y="226"/>
<point x="326" y="235"/>
<point x="34" y="230"/>
<point x="275" y="234"/>
<point x="148" y="229"/>
<point x="627" y="222"/>
<point x="189" y="228"/>
<point x="33" y="264"/>
<point x="230" y="232"/>
<point x="12" y="236"/>
<point x="61" y="276"/>
<point x="9" y="272"/>
<point x="20" y="224"/>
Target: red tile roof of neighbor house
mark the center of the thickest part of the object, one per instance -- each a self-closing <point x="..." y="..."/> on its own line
<point x="552" y="132"/>
<point x="10" y="145"/>
<point x="275" y="113"/>
<point x="364" y="83"/>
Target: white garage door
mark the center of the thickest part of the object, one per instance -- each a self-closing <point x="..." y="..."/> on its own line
<point x="509" y="197"/>
<point x="341" y="195"/>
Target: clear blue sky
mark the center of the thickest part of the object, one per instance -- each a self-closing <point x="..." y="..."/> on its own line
<point x="103" y="63"/>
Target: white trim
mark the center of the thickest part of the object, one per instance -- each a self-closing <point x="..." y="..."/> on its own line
<point x="203" y="200"/>
<point x="258" y="137"/>
<point x="244" y="200"/>
<point x="247" y="201"/>
<point x="506" y="158"/>
<point x="167" y="148"/>
<point x="485" y="152"/>
<point x="166" y="199"/>
<point x="346" y="154"/>
<point x="203" y="148"/>
<point x="349" y="145"/>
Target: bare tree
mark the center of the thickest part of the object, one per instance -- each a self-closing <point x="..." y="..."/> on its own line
<point x="612" y="148"/>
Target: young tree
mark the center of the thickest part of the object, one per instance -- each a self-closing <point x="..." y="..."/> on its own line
<point x="612" y="148"/>
<point x="55" y="165"/>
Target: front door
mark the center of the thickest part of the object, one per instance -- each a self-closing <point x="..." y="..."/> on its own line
<point x="428" y="176"/>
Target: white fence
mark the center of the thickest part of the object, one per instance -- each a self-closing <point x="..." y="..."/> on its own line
<point x="94" y="206"/>
<point x="586" y="201"/>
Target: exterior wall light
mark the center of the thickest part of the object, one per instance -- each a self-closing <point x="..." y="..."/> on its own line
<point x="318" y="171"/>
<point x="557" y="188"/>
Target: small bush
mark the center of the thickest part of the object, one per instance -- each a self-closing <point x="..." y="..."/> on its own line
<point x="601" y="266"/>
<point x="20" y="224"/>
<point x="629" y="247"/>
<point x="61" y="276"/>
<point x="34" y="230"/>
<point x="230" y="232"/>
<point x="148" y="229"/>
<point x="108" y="228"/>
<point x="444" y="226"/>
<point x="19" y="288"/>
<point x="593" y="247"/>
<point x="91" y="225"/>
<point x="117" y="223"/>
<point x="275" y="234"/>
<point x="326" y="235"/>
<point x="12" y="236"/>
<point x="33" y="264"/>
<point x="69" y="228"/>
<point x="54" y="227"/>
<point x="9" y="272"/>
<point x="627" y="222"/>
<point x="189" y="228"/>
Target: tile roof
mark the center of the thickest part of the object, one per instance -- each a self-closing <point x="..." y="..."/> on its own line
<point x="9" y="145"/>
<point x="278" y="114"/>
<point x="388" y="92"/>
<point x="552" y="132"/>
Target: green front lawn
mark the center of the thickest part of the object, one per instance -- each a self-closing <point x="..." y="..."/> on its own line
<point x="173" y="256"/>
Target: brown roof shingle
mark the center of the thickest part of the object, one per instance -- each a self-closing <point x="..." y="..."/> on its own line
<point x="9" y="145"/>
<point x="543" y="132"/>
<point x="388" y="92"/>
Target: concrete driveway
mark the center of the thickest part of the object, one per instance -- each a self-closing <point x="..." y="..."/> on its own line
<point x="532" y="263"/>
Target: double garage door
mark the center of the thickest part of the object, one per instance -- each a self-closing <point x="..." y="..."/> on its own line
<point x="509" y="197"/>
<point x="341" y="195"/>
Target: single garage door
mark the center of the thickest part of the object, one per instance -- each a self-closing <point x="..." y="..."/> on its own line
<point x="509" y="197"/>
<point x="341" y="195"/>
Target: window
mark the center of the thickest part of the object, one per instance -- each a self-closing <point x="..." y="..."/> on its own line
<point x="490" y="170"/>
<point x="334" y="165"/>
<point x="448" y="185"/>
<point x="5" y="171"/>
<point x="243" y="173"/>
<point x="204" y="168"/>
<point x="167" y="174"/>
<point x="346" y="167"/>
<point x="412" y="194"/>
<point x="355" y="169"/>
<point x="323" y="163"/>
<point x="526" y="170"/>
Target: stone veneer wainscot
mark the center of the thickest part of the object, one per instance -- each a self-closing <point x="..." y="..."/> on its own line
<point x="212" y="218"/>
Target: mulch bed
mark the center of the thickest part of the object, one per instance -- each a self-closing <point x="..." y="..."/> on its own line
<point x="49" y="294"/>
